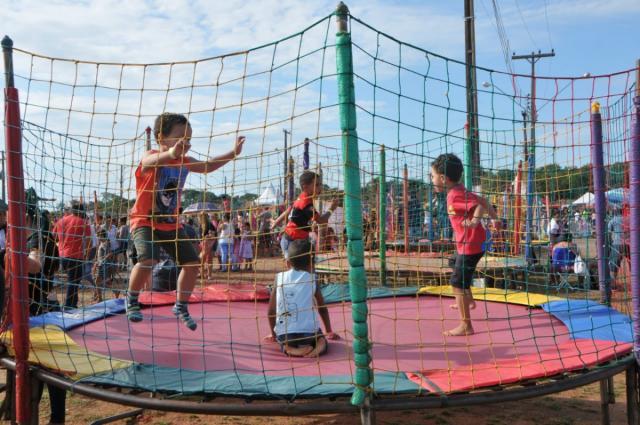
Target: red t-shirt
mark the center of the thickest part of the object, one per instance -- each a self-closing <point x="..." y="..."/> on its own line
<point x="302" y="212"/>
<point x="71" y="231"/>
<point x="461" y="205"/>
<point x="158" y="193"/>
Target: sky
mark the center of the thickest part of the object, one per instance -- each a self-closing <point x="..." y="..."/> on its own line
<point x="93" y="113"/>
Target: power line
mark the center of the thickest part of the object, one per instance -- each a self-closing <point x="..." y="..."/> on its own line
<point x="524" y="22"/>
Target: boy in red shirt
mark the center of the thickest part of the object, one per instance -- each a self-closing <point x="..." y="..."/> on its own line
<point x="465" y="209"/>
<point x="160" y="178"/>
<point x="302" y="212"/>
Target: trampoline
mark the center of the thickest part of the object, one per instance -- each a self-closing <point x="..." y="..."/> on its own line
<point x="519" y="337"/>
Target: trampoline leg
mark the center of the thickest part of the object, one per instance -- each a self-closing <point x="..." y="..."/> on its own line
<point x="367" y="414"/>
<point x="605" y="400"/>
<point x="633" y="400"/>
<point x="36" y="393"/>
<point x="6" y="409"/>
<point x="114" y="418"/>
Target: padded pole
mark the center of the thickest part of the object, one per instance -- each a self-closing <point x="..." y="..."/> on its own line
<point x="468" y="158"/>
<point x="634" y="222"/>
<point x="353" y="209"/>
<point x="382" y="218"/>
<point x="405" y="208"/>
<point x="305" y="155"/>
<point x="16" y="273"/>
<point x="517" y="211"/>
<point x="597" y="172"/>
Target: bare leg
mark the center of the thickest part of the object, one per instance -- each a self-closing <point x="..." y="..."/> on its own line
<point x="140" y="275"/>
<point x="187" y="281"/>
<point x="464" y="328"/>
<point x="472" y="302"/>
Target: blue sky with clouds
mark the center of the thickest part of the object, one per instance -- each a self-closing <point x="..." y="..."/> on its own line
<point x="588" y="36"/>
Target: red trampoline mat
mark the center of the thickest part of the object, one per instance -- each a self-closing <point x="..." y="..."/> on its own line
<point x="406" y="334"/>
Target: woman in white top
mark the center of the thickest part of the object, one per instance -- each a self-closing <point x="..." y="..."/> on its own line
<point x="225" y="242"/>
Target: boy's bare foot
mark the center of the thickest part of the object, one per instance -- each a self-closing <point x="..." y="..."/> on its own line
<point x="460" y="330"/>
<point x="301" y="351"/>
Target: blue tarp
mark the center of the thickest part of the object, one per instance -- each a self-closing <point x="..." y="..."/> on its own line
<point x="70" y="319"/>
<point x="591" y="320"/>
<point x="187" y="382"/>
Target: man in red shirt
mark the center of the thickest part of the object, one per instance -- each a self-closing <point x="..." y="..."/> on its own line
<point x="465" y="210"/>
<point x="74" y="239"/>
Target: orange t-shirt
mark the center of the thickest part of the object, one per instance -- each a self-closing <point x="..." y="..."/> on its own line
<point x="158" y="193"/>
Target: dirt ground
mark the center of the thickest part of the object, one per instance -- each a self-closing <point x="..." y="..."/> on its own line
<point x="575" y="407"/>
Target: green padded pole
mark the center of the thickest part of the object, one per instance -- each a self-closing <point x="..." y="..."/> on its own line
<point x="468" y="148"/>
<point x="353" y="209"/>
<point x="382" y="218"/>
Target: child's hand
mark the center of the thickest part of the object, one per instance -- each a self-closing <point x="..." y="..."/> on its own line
<point x="238" y="147"/>
<point x="180" y="149"/>
<point x="332" y="335"/>
<point x="269" y="338"/>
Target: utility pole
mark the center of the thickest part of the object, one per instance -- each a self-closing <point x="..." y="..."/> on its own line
<point x="472" y="147"/>
<point x="530" y="157"/>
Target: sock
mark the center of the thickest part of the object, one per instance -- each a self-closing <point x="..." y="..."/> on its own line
<point x="133" y="307"/>
<point x="180" y="309"/>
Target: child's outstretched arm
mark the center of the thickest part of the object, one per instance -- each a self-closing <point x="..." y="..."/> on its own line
<point x="282" y="216"/>
<point x="324" y="315"/>
<point x="153" y="159"/>
<point x="212" y="164"/>
<point x="324" y="218"/>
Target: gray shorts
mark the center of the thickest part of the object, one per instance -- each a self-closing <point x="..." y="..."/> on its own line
<point x="176" y="244"/>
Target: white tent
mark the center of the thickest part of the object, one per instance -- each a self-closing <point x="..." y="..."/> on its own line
<point x="269" y="197"/>
<point x="586" y="199"/>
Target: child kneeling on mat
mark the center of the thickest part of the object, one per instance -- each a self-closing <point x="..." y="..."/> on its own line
<point x="292" y="311"/>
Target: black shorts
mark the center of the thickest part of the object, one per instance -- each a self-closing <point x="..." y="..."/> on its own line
<point x="463" y="266"/>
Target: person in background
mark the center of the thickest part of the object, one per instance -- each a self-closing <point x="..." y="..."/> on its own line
<point x="74" y="239"/>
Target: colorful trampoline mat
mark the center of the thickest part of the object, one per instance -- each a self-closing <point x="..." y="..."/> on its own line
<point x="227" y="353"/>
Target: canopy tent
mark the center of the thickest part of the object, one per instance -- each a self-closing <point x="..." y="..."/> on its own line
<point x="617" y="196"/>
<point x="269" y="197"/>
<point x="586" y="199"/>
<point x="201" y="207"/>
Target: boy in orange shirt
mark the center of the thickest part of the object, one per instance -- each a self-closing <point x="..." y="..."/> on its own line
<point x="160" y="178"/>
<point x="465" y="209"/>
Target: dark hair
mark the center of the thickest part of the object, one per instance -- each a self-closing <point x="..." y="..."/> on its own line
<point x="164" y="123"/>
<point x="307" y="177"/>
<point x="300" y="254"/>
<point x="449" y="165"/>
